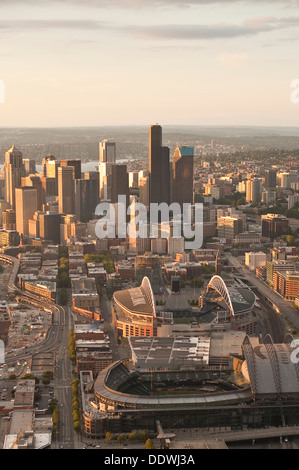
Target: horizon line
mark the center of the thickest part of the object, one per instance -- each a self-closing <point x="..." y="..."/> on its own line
<point x="147" y="125"/>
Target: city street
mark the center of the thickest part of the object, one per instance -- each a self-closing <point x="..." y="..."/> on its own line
<point x="283" y="306"/>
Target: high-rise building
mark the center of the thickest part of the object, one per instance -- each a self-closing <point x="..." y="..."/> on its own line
<point x="29" y="166"/>
<point x="49" y="226"/>
<point x="105" y="172"/>
<point x="287" y="178"/>
<point x="229" y="227"/>
<point x="274" y="225"/>
<point x="76" y="164"/>
<point x="286" y="284"/>
<point x="182" y="175"/>
<point x="144" y="190"/>
<point x="293" y="200"/>
<point x="254" y="190"/>
<point x="9" y="238"/>
<point x="159" y="169"/>
<point x="86" y="198"/>
<point x="26" y="206"/>
<point x="107" y="151"/>
<point x="35" y="182"/>
<point x="49" y="166"/>
<point x="119" y="183"/>
<point x="49" y="187"/>
<point x="113" y="182"/>
<point x="65" y="227"/>
<point x="9" y="219"/>
<point x="66" y="191"/>
<point x="270" y="178"/>
<point x="269" y="196"/>
<point x="14" y="170"/>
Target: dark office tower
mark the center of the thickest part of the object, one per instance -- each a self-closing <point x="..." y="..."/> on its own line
<point x="158" y="167"/>
<point x="66" y="190"/>
<point x="119" y="183"/>
<point x="270" y="179"/>
<point x="274" y="226"/>
<point x="86" y="198"/>
<point x="49" y="187"/>
<point x="29" y="166"/>
<point x="76" y="164"/>
<point x="182" y="175"/>
<point x="49" y="226"/>
<point x="14" y="170"/>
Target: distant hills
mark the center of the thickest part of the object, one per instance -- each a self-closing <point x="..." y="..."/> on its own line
<point x="132" y="141"/>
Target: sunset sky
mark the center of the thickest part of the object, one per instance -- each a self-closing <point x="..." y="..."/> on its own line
<point x="123" y="62"/>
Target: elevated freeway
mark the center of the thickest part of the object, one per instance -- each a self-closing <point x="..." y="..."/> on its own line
<point x="254" y="434"/>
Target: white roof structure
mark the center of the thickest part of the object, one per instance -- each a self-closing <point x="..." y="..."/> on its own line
<point x="138" y="300"/>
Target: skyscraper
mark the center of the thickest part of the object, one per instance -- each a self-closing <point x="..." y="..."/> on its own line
<point x="49" y="226"/>
<point x="254" y="190"/>
<point x="66" y="190"/>
<point x="49" y="166"/>
<point x="26" y="206"/>
<point x="86" y="198"/>
<point x="29" y="166"/>
<point x="182" y="175"/>
<point x="158" y="167"/>
<point x="14" y="170"/>
<point x="36" y="182"/>
<point x="270" y="178"/>
<point x="107" y="151"/>
<point x="119" y="183"/>
<point x="76" y="164"/>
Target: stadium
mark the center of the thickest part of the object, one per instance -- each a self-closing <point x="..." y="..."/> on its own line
<point x="125" y="399"/>
<point x="229" y="304"/>
<point x="134" y="310"/>
<point x="226" y="380"/>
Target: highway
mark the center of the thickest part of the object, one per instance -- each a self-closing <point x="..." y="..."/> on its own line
<point x="55" y="341"/>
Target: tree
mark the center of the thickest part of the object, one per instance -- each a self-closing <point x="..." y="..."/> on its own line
<point x="47" y="377"/>
<point x="149" y="444"/>
<point x="290" y="239"/>
<point x="109" y="436"/>
<point x="144" y="435"/>
<point x="63" y="296"/>
<point x="63" y="252"/>
<point x="64" y="280"/>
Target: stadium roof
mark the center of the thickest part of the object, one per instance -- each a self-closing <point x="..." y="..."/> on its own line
<point x="138" y="300"/>
<point x="270" y="368"/>
<point x="237" y="299"/>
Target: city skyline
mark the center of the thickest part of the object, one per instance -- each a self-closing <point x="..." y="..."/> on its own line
<point x="129" y="63"/>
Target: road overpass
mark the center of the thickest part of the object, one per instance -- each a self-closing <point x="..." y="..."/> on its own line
<point x="15" y="263"/>
<point x="254" y="434"/>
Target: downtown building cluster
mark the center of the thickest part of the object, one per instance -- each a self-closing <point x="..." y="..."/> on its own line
<point x="172" y="300"/>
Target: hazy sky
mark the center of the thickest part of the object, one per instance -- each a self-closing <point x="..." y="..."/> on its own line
<point x="122" y="62"/>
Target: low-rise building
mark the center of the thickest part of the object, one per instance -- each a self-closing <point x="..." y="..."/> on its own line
<point x="254" y="260"/>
